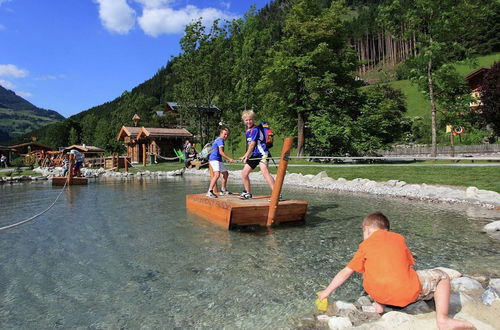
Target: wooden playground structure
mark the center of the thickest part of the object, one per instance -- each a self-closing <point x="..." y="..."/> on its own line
<point x="230" y="211"/>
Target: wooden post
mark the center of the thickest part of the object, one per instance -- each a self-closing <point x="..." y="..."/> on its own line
<point x="452" y="141"/>
<point x="125" y="163"/>
<point x="117" y="162"/>
<point x="70" y="169"/>
<point x="280" y="177"/>
<point x="144" y="154"/>
<point x="215" y="190"/>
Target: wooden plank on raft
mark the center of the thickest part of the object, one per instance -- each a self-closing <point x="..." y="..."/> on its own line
<point x="230" y="211"/>
<point x="61" y="180"/>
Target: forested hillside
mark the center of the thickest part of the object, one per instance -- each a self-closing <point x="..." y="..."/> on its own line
<point x="300" y="65"/>
<point x="18" y="116"/>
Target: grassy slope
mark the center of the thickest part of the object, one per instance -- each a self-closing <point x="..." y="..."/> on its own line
<point x="418" y="105"/>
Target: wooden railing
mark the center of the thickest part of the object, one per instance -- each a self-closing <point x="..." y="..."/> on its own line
<point x="472" y="150"/>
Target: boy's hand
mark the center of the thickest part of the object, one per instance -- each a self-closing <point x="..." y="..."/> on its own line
<point x="244" y="159"/>
<point x="323" y="295"/>
<point x="230" y="160"/>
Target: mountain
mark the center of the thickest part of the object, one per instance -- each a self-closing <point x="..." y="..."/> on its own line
<point x="18" y="116"/>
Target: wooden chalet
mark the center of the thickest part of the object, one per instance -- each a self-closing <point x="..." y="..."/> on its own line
<point x="162" y="141"/>
<point x="128" y="135"/>
<point x="87" y="151"/>
<point x="28" y="147"/>
<point x="142" y="142"/>
<point x="475" y="81"/>
<point x="7" y="152"/>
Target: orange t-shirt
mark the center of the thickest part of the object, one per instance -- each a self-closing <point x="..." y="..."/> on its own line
<point x="385" y="261"/>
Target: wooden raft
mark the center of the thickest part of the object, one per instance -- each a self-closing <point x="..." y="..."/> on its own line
<point x="230" y="211"/>
<point x="61" y="180"/>
<point x="70" y="179"/>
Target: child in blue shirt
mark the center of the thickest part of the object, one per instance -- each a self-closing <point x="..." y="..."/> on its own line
<point x="218" y="167"/>
<point x="257" y="154"/>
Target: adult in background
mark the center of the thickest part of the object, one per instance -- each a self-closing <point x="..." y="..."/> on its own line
<point x="79" y="158"/>
<point x="3" y="161"/>
<point x="186" y="149"/>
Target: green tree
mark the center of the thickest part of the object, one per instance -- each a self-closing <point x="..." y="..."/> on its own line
<point x="73" y="136"/>
<point x="203" y="73"/>
<point x="309" y="70"/>
<point x="437" y="27"/>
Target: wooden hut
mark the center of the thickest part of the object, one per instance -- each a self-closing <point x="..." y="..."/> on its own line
<point x="162" y="141"/>
<point x="475" y="82"/>
<point x="128" y="135"/>
<point x="28" y="147"/>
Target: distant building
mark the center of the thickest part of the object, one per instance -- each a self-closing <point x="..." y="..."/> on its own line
<point x="475" y="81"/>
<point x="87" y="151"/>
<point x="142" y="142"/>
<point x="25" y="148"/>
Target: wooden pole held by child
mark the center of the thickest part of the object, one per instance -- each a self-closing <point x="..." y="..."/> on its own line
<point x="70" y="169"/>
<point x="280" y="177"/>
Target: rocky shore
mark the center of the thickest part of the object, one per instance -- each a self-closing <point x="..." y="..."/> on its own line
<point x="476" y="300"/>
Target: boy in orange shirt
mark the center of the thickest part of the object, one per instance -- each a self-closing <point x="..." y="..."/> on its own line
<point x="388" y="277"/>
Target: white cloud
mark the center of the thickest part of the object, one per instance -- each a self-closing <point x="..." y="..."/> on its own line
<point x="156" y="21"/>
<point x="10" y="70"/>
<point x="225" y="4"/>
<point x="154" y="3"/>
<point x="116" y="15"/>
<point x="3" y="1"/>
<point x="51" y="77"/>
<point x="7" y="84"/>
<point x="24" y="94"/>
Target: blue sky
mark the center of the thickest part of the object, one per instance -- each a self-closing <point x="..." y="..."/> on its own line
<point x="71" y="55"/>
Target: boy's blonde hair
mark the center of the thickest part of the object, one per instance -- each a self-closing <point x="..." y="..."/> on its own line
<point x="247" y="114"/>
<point x="376" y="219"/>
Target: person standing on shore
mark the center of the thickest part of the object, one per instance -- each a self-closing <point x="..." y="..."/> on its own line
<point x="388" y="276"/>
<point x="3" y="161"/>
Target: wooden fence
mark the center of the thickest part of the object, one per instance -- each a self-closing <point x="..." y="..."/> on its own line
<point x="469" y="150"/>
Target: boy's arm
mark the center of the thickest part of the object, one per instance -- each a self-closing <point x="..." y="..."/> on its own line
<point x="221" y="152"/>
<point x="247" y="154"/>
<point x="337" y="281"/>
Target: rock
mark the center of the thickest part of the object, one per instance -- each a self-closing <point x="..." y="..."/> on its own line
<point x="364" y="301"/>
<point x="490" y="295"/>
<point x="471" y="191"/>
<point x="458" y="300"/>
<point x="395" y="319"/>
<point x="339" y="323"/>
<point x="419" y="307"/>
<point x="400" y="184"/>
<point x="465" y="284"/>
<point x="392" y="183"/>
<point x="344" y="305"/>
<point x="492" y="227"/>
<point x="321" y="175"/>
<point x="495" y="283"/>
<point x="323" y="318"/>
<point x="452" y="274"/>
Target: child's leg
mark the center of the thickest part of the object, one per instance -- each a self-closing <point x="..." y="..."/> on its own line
<point x="225" y="175"/>
<point x="265" y="172"/>
<point x="442" y="300"/>
<point x="379" y="308"/>
<point x="214" y="180"/>
<point x="245" y="176"/>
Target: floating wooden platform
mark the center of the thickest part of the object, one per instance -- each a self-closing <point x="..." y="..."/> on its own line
<point x="61" y="180"/>
<point x="231" y="211"/>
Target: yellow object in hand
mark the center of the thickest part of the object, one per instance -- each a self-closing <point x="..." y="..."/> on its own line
<point x="322" y="305"/>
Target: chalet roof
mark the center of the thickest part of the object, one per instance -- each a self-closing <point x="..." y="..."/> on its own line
<point x="5" y="148"/>
<point x="163" y="132"/>
<point x="84" y="148"/>
<point x="477" y="72"/>
<point x="128" y="131"/>
<point x="33" y="146"/>
<point x="136" y="117"/>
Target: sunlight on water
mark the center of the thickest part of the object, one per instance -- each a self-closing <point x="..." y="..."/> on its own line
<point x="125" y="254"/>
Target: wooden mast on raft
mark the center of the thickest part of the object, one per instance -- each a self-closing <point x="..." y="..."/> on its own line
<point x="230" y="211"/>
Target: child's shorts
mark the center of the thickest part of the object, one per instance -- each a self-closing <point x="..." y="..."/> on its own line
<point x="218" y="166"/>
<point x="253" y="162"/>
<point x="429" y="279"/>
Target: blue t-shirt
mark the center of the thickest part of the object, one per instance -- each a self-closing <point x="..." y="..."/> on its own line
<point x="255" y="134"/>
<point x="215" y="154"/>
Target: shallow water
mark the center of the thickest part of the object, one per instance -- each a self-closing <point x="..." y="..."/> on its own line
<point x="125" y="254"/>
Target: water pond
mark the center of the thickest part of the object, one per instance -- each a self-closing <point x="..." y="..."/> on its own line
<point x="126" y="254"/>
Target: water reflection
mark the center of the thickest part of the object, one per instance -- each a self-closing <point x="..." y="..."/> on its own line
<point x="126" y="254"/>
